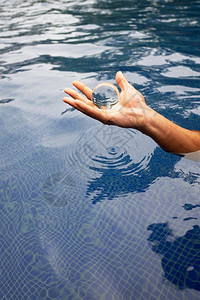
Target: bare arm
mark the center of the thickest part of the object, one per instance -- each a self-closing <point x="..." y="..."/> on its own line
<point x="133" y="112"/>
<point x="171" y="137"/>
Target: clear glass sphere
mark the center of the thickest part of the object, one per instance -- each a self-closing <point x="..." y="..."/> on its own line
<point x="105" y="95"/>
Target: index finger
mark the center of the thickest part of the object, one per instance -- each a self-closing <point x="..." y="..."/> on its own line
<point x="83" y="88"/>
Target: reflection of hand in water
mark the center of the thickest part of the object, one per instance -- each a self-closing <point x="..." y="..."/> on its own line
<point x="181" y="257"/>
<point x="133" y="112"/>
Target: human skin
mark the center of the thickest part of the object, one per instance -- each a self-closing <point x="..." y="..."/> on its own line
<point x="132" y="112"/>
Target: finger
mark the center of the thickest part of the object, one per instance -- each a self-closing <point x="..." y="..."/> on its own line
<point x="71" y="102"/>
<point x="75" y="94"/>
<point x="83" y="88"/>
<point x="82" y="98"/>
<point x="89" y="110"/>
<point x="122" y="81"/>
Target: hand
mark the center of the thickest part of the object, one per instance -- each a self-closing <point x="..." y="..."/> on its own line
<point x="132" y="112"/>
<point x="129" y="112"/>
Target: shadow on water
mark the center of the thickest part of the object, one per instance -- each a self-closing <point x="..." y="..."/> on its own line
<point x="115" y="182"/>
<point x="180" y="257"/>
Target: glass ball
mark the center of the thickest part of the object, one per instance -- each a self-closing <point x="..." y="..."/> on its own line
<point x="105" y="95"/>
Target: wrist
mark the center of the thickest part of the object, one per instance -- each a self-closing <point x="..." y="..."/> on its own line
<point x="148" y="123"/>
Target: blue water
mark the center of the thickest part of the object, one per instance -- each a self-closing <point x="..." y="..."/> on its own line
<point x="89" y="211"/>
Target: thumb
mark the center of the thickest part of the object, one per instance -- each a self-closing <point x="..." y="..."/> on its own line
<point x="121" y="81"/>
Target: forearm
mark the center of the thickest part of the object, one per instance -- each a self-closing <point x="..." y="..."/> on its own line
<point x="169" y="136"/>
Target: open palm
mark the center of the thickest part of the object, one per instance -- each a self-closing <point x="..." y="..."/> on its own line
<point x="128" y="112"/>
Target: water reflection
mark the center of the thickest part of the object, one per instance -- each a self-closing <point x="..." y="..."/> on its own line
<point x="118" y="162"/>
<point x="3" y="101"/>
<point x="121" y="182"/>
<point x="180" y="257"/>
<point x="105" y="36"/>
<point x="189" y="206"/>
<point x="127" y="30"/>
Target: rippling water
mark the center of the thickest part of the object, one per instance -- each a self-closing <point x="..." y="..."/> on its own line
<point x="89" y="211"/>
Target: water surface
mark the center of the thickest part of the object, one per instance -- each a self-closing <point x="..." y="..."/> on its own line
<point x="89" y="211"/>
